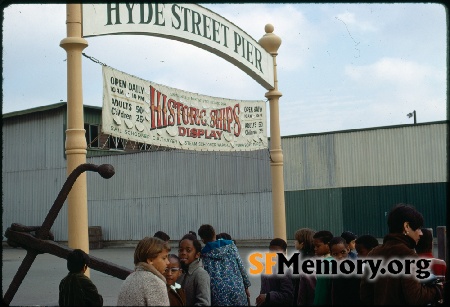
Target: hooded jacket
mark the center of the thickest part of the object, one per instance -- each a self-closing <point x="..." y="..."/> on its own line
<point x="228" y="276"/>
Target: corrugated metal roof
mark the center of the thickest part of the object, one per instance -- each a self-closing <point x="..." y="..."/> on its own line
<point x="366" y="129"/>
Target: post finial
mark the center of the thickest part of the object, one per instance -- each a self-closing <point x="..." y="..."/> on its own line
<point x="270" y="42"/>
<point x="269" y="28"/>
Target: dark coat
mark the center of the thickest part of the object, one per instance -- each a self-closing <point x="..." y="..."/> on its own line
<point x="345" y="291"/>
<point x="76" y="289"/>
<point x="279" y="288"/>
<point x="396" y="290"/>
<point x="306" y="290"/>
<point x="176" y="297"/>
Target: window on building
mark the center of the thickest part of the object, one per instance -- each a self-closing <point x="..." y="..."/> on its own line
<point x="92" y="135"/>
<point x="116" y="143"/>
<point x="144" y="147"/>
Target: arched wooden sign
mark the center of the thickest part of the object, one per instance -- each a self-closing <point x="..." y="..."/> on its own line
<point x="188" y="23"/>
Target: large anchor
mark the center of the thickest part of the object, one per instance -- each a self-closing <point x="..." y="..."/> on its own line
<point x="39" y="240"/>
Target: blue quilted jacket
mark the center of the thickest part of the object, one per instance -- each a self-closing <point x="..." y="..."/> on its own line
<point x="228" y="276"/>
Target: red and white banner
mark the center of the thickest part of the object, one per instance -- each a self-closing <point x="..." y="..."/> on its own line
<point x="147" y="112"/>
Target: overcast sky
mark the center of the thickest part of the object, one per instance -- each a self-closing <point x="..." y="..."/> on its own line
<point x="340" y="66"/>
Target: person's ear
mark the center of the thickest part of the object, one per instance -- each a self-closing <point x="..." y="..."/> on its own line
<point x="406" y="228"/>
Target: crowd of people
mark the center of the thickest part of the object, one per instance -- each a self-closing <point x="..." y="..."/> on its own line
<point x="213" y="274"/>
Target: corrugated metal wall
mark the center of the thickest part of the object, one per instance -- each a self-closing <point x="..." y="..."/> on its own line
<point x="33" y="167"/>
<point x="174" y="191"/>
<point x="350" y="180"/>
<point x="177" y="191"/>
<point x="390" y="156"/>
<point x="334" y="181"/>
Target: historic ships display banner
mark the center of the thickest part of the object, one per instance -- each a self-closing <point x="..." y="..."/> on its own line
<point x="146" y="112"/>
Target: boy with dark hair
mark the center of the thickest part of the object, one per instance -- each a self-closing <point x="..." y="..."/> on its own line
<point x="364" y="244"/>
<point x="322" y="250"/>
<point x="344" y="289"/>
<point x="320" y="241"/>
<point x="229" y="279"/>
<point x="162" y="235"/>
<point x="276" y="289"/>
<point x="76" y="289"/>
<point x="350" y="238"/>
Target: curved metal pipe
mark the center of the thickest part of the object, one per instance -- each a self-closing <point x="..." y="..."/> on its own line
<point x="105" y="170"/>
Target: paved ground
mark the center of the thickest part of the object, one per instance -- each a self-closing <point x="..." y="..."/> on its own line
<point x="40" y="286"/>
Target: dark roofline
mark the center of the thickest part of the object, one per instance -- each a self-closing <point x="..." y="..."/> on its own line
<point x="367" y="129"/>
<point x="42" y="109"/>
<point x="61" y="104"/>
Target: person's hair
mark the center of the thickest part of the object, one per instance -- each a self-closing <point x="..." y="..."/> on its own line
<point x="278" y="242"/>
<point x="425" y="244"/>
<point x="192" y="233"/>
<point x="305" y="236"/>
<point x="402" y="213"/>
<point x="223" y="235"/>
<point x="76" y="260"/>
<point x="337" y="240"/>
<point x="149" y="248"/>
<point x="173" y="256"/>
<point x="162" y="235"/>
<point x="348" y="236"/>
<point x="195" y="242"/>
<point x="206" y="232"/>
<point x="323" y="235"/>
<point x="368" y="241"/>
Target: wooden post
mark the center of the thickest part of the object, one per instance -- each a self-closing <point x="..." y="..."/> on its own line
<point x="75" y="133"/>
<point x="271" y="42"/>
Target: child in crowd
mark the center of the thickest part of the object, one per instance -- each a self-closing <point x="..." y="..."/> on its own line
<point x="304" y="284"/>
<point x="76" y="289"/>
<point x="146" y="286"/>
<point x="221" y="259"/>
<point x="424" y="249"/>
<point x="177" y="297"/>
<point x="323" y="283"/>
<point x="364" y="244"/>
<point x="344" y="289"/>
<point x="223" y="235"/>
<point x="350" y="238"/>
<point x="276" y="289"/>
<point x="195" y="281"/>
<point x="162" y="235"/>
